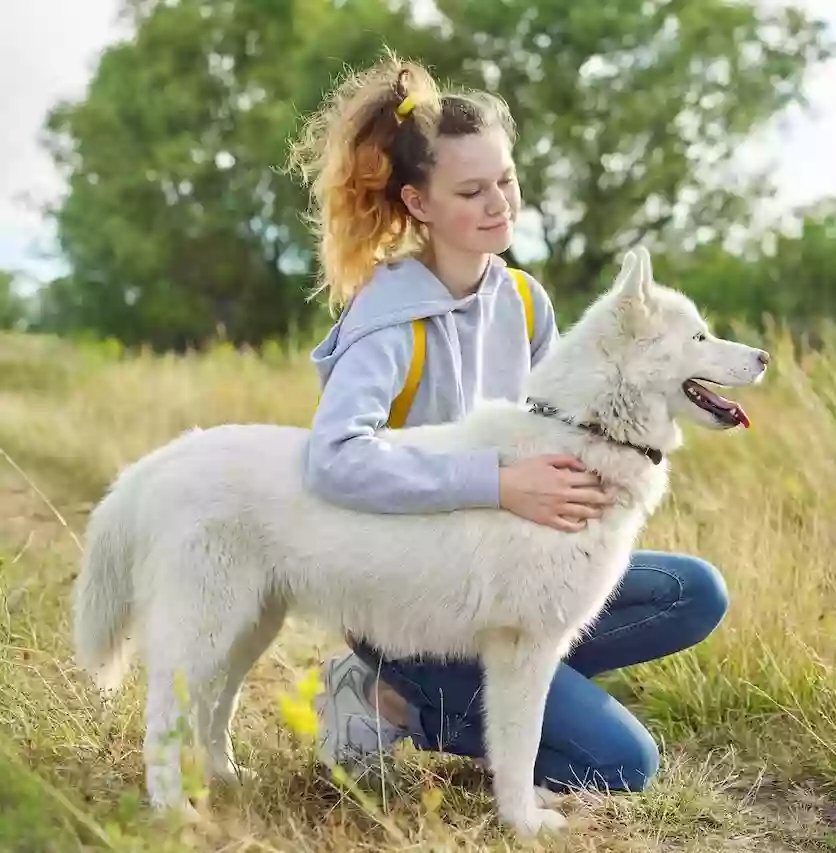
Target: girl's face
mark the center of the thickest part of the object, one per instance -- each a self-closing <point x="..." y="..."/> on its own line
<point x="472" y="198"/>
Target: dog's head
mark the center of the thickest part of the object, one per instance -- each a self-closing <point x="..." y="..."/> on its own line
<point x="638" y="360"/>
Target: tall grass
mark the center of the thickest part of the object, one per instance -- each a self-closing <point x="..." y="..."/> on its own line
<point x="747" y="719"/>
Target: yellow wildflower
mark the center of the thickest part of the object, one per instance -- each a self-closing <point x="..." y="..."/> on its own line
<point x="300" y="713"/>
<point x="432" y="800"/>
<point x="311" y="685"/>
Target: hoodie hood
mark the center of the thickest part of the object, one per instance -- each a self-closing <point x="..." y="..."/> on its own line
<point x="398" y="292"/>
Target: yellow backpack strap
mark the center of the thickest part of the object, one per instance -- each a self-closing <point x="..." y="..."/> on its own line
<point x="524" y="290"/>
<point x="403" y="402"/>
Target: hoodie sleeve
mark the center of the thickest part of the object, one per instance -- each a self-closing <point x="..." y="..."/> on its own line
<point x="545" y="324"/>
<point x="349" y="465"/>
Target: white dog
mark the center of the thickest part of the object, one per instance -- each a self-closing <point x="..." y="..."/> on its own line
<point x="200" y="548"/>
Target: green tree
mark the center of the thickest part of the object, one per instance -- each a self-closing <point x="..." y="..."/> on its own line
<point x="629" y="113"/>
<point x="789" y="277"/>
<point x="175" y="221"/>
<point x="12" y="305"/>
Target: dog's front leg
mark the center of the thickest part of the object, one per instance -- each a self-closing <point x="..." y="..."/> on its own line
<point x="518" y="673"/>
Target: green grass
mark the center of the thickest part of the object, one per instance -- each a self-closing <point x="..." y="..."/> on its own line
<point x="747" y="720"/>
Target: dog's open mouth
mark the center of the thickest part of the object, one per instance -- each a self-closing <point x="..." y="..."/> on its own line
<point x="726" y="411"/>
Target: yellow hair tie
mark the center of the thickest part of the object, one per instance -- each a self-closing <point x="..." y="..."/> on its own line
<point x="405" y="107"/>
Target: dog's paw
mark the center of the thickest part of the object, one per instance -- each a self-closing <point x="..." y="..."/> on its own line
<point x="183" y="812"/>
<point x="540" y="821"/>
<point x="552" y="821"/>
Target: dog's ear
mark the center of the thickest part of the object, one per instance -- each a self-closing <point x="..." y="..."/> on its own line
<point x="629" y="284"/>
<point x="635" y="279"/>
<point x="647" y="269"/>
<point x="633" y="291"/>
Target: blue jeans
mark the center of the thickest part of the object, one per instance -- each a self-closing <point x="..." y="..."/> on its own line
<point x="667" y="602"/>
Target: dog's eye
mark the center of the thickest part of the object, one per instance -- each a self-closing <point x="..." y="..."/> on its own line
<point x="700" y="336"/>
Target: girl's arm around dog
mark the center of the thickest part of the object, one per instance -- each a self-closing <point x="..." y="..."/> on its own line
<point x="348" y="464"/>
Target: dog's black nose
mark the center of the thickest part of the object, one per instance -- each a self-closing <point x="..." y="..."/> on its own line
<point x="763" y="357"/>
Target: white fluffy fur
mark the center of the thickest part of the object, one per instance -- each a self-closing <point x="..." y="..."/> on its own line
<point x="200" y="548"/>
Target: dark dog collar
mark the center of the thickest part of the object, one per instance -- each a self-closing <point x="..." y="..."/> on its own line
<point x="545" y="410"/>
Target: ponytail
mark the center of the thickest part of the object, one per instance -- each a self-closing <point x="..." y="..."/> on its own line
<point x="347" y="154"/>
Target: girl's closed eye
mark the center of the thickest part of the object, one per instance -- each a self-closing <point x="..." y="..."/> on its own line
<point x="504" y="182"/>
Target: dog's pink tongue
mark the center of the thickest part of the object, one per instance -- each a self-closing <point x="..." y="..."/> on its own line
<point x="736" y="411"/>
<point x="731" y="406"/>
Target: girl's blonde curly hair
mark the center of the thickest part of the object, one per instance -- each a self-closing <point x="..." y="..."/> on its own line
<point x="357" y="153"/>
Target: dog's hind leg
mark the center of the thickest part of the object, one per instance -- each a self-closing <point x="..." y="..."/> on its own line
<point x="517" y="678"/>
<point x="163" y="745"/>
<point x="195" y="616"/>
<point x="185" y="675"/>
<point x="246" y="650"/>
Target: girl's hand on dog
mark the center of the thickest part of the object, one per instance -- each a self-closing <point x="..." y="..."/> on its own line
<point x="557" y="491"/>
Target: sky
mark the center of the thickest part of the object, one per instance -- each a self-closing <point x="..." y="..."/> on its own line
<point x="49" y="50"/>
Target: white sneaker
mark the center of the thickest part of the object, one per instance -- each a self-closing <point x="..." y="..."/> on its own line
<point x="350" y="726"/>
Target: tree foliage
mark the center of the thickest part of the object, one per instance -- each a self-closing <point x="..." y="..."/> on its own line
<point x="13" y="308"/>
<point x="788" y="277"/>
<point x="176" y="224"/>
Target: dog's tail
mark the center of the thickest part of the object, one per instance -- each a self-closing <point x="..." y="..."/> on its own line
<point x="103" y="594"/>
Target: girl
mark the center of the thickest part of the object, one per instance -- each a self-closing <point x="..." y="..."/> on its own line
<point x="415" y="197"/>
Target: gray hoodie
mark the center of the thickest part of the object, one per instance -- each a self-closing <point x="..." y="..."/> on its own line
<point x="476" y="347"/>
